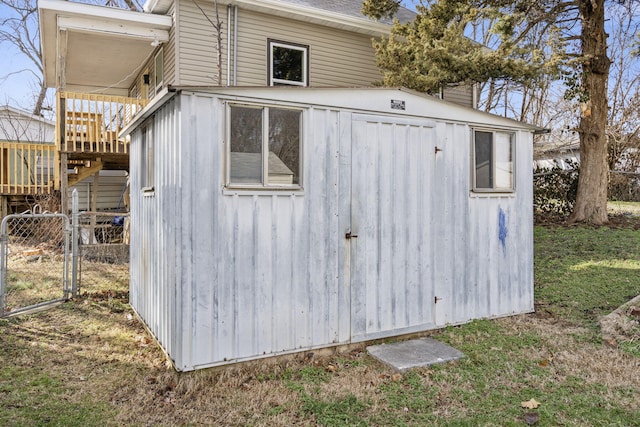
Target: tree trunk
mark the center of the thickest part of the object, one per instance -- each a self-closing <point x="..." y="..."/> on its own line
<point x="37" y="110"/>
<point x="591" y="198"/>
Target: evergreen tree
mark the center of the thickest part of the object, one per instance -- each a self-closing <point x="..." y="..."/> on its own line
<point x="435" y="50"/>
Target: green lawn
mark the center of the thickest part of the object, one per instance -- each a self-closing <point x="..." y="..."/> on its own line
<point x="90" y="362"/>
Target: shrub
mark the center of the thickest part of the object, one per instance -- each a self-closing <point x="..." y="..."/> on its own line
<point x="554" y="191"/>
<point x="624" y="187"/>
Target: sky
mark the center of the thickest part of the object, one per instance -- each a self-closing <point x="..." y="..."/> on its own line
<point x="17" y="88"/>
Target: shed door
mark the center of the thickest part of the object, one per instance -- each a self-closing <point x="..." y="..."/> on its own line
<point x="392" y="175"/>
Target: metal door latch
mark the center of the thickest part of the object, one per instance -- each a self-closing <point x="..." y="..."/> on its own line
<point x="350" y="236"/>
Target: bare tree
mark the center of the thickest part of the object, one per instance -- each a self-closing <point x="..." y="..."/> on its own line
<point x="20" y="29"/>
<point x="216" y="23"/>
<point x="124" y="4"/>
<point x="624" y="106"/>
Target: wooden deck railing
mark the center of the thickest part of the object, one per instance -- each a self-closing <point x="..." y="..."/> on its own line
<point x="27" y="168"/>
<point x="91" y="123"/>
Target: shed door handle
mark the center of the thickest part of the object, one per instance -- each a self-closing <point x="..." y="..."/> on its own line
<point x="350" y="236"/>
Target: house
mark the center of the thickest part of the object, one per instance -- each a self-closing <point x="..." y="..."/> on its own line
<point x="21" y="126"/>
<point x="107" y="63"/>
<point x="26" y="157"/>
<point x="279" y="203"/>
<point x="565" y="156"/>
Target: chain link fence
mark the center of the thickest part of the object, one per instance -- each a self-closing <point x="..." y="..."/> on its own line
<point x="46" y="258"/>
<point x="103" y="252"/>
<point x="35" y="264"/>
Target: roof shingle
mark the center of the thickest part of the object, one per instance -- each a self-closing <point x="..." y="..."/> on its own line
<point x="351" y="8"/>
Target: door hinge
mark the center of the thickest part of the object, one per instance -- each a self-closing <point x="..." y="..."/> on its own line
<point x="436" y="299"/>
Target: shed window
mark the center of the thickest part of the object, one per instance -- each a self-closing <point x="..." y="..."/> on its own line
<point x="264" y="146"/>
<point x="493" y="161"/>
<point x="288" y="64"/>
<point x="147" y="170"/>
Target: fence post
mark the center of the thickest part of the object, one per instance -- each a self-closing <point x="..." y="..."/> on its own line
<point x="75" y="233"/>
<point x="3" y="264"/>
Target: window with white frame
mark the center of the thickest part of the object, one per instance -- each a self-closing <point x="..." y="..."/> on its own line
<point x="264" y="146"/>
<point x="159" y="70"/>
<point x="288" y="64"/>
<point x="493" y="161"/>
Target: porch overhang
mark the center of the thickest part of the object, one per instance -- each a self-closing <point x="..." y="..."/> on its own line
<point x="88" y="48"/>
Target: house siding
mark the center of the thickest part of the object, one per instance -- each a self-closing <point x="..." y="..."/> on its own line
<point x="196" y="46"/>
<point x="222" y="276"/>
<point x="336" y="58"/>
<point x="158" y="216"/>
<point x="111" y="188"/>
<point x="170" y="77"/>
<point x="461" y="95"/>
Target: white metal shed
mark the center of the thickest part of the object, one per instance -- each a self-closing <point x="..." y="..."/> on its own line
<point x="399" y="213"/>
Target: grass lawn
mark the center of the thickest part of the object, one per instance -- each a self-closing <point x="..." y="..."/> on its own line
<point x="90" y="362"/>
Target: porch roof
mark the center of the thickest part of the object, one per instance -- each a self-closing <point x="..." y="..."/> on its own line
<point x="88" y="48"/>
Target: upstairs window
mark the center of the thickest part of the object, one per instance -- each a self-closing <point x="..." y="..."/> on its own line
<point x="288" y="64"/>
<point x="493" y="161"/>
<point x="264" y="147"/>
<point x="159" y="70"/>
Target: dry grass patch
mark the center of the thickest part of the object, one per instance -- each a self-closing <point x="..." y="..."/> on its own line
<point x="563" y="349"/>
<point x="90" y="362"/>
<point x="104" y="362"/>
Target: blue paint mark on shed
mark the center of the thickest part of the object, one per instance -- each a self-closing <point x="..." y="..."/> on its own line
<point x="502" y="230"/>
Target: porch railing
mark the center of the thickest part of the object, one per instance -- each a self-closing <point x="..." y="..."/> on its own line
<point x="27" y="168"/>
<point x="91" y="123"/>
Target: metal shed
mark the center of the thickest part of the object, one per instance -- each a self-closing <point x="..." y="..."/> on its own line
<point x="403" y="213"/>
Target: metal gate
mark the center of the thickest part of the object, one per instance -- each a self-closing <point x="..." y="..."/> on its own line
<point x="34" y="261"/>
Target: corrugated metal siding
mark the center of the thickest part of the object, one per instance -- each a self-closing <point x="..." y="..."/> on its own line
<point x="337" y="58"/>
<point x="221" y="276"/>
<point x="265" y="278"/>
<point x="452" y="224"/>
<point x="392" y="185"/>
<point x="476" y="276"/>
<point x="262" y="275"/>
<point x="155" y="242"/>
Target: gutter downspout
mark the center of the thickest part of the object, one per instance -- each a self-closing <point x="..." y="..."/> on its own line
<point x="228" y="45"/>
<point x="235" y="45"/>
<point x="474" y="94"/>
